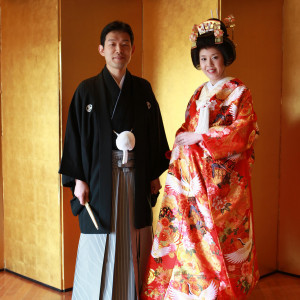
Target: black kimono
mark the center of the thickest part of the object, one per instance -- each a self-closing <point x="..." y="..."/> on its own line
<point x="89" y="141"/>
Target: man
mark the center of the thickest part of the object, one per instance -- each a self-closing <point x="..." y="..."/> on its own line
<point x="111" y="261"/>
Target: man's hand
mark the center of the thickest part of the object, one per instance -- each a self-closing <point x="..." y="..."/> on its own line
<point x="81" y="191"/>
<point x="188" y="138"/>
<point x="155" y="186"/>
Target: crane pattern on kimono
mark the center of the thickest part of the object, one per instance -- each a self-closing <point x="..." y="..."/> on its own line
<point x="210" y="293"/>
<point x="189" y="189"/>
<point x="222" y="116"/>
<point x="242" y="254"/>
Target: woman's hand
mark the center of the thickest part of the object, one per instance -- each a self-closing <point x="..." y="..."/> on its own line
<point x="188" y="138"/>
<point x="81" y="191"/>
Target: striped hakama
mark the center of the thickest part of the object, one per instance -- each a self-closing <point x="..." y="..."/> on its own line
<point x="110" y="266"/>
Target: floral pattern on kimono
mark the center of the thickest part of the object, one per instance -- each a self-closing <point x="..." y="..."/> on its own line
<point x="204" y="243"/>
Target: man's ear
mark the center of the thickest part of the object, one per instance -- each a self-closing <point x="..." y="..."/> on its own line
<point x="101" y="50"/>
<point x="132" y="49"/>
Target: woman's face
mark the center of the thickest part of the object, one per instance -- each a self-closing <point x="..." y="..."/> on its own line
<point x="212" y="64"/>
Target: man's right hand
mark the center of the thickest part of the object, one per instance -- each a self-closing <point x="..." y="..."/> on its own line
<point x="81" y="191"/>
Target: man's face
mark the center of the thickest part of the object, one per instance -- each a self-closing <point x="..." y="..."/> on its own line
<point x="117" y="50"/>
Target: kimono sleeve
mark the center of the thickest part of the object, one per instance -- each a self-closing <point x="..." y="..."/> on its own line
<point x="225" y="141"/>
<point x="158" y="140"/>
<point x="190" y="111"/>
<point x="71" y="163"/>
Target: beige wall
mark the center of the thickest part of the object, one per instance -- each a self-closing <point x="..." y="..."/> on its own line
<point x="81" y="25"/>
<point x="167" y="61"/>
<point x="289" y="205"/>
<point x="30" y="140"/>
<point x="258" y="64"/>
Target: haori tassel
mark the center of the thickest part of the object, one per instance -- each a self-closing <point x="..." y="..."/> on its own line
<point x="125" y="142"/>
<point x="203" y="123"/>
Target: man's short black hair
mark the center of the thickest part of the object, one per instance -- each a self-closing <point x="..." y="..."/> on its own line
<point x="116" y="26"/>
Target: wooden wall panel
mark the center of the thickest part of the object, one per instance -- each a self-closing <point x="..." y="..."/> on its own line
<point x="31" y="209"/>
<point x="1" y="178"/>
<point x="167" y="60"/>
<point x="81" y="25"/>
<point x="258" y="65"/>
<point x="289" y="205"/>
<point x="31" y="139"/>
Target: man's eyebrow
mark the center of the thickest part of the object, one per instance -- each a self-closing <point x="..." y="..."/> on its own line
<point x="113" y="39"/>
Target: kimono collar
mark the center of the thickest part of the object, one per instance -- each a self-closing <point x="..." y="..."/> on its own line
<point x="108" y="74"/>
<point x="122" y="81"/>
<point x="211" y="87"/>
<point x="120" y="85"/>
<point x="205" y="103"/>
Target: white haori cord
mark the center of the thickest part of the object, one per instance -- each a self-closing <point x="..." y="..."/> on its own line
<point x="203" y="122"/>
<point x="125" y="142"/>
<point x="204" y="103"/>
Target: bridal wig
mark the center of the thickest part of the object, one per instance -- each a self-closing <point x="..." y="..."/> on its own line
<point x="207" y="40"/>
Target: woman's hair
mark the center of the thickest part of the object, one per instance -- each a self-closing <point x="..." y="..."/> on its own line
<point x="116" y="26"/>
<point x="207" y="40"/>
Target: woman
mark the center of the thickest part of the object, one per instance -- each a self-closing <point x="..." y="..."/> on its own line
<point x="204" y="243"/>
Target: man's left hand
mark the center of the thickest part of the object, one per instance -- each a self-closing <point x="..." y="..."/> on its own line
<point x="155" y="186"/>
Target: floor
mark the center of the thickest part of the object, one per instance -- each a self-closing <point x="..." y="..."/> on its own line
<point x="277" y="286"/>
<point x="13" y="287"/>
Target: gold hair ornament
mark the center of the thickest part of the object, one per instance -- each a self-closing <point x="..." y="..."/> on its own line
<point x="211" y="25"/>
<point x="230" y="23"/>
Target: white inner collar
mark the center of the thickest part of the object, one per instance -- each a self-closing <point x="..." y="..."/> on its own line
<point x="220" y="82"/>
<point x="120" y="85"/>
<point x="122" y="81"/>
